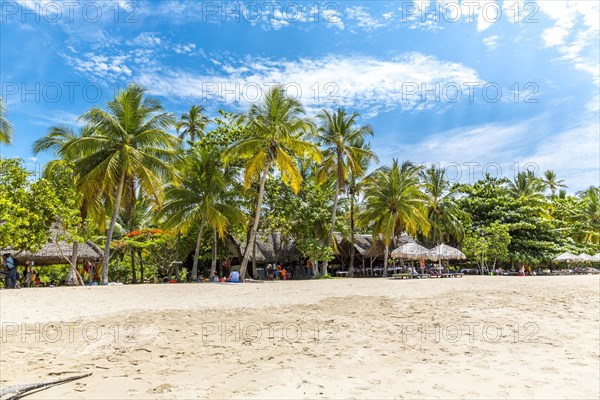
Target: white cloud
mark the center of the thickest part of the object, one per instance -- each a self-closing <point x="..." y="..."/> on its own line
<point x="147" y="39"/>
<point x="491" y="42"/>
<point x="360" y="82"/>
<point x="575" y="33"/>
<point x="502" y="150"/>
<point x="363" y="19"/>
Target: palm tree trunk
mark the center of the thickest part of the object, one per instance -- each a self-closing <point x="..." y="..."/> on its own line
<point x="333" y="215"/>
<point x="111" y="228"/>
<point x="197" y="252"/>
<point x="352" y="250"/>
<point x="254" y="230"/>
<point x="254" y="261"/>
<point x="72" y="275"/>
<point x="213" y="264"/>
<point x="133" y="274"/>
<point x="178" y="247"/>
<point x="386" y="253"/>
<point x="141" y="266"/>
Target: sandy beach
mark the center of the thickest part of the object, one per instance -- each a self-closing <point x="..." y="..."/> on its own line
<point x="476" y="337"/>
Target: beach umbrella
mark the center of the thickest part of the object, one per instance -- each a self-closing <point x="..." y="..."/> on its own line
<point x="445" y="252"/>
<point x="597" y="257"/>
<point x="586" y="257"/>
<point x="567" y="257"/>
<point x="413" y="251"/>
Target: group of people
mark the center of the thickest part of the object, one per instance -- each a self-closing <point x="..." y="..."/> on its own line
<point x="11" y="279"/>
<point x="278" y="271"/>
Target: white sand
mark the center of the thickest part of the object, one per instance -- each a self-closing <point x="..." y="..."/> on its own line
<point x="497" y="337"/>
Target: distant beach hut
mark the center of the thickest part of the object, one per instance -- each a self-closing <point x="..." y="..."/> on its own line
<point x="567" y="257"/>
<point x="59" y="252"/>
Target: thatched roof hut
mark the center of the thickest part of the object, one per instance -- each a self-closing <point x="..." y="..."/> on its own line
<point x="270" y="247"/>
<point x="57" y="253"/>
<point x="362" y="243"/>
<point x="377" y="248"/>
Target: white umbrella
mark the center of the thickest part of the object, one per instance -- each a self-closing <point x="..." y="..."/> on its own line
<point x="597" y="257"/>
<point x="445" y="252"/>
<point x="586" y="257"/>
<point x="413" y="251"/>
<point x="567" y="257"/>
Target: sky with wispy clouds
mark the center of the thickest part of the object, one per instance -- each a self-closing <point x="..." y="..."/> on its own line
<point x="477" y="86"/>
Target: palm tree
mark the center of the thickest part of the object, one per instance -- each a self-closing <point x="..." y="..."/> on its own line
<point x="6" y="130"/>
<point x="355" y="187"/>
<point x="276" y="136"/>
<point x="551" y="182"/>
<point x="58" y="141"/>
<point x="192" y="123"/>
<point x="394" y="203"/>
<point x="528" y="186"/>
<point x="207" y="196"/>
<point x="443" y="212"/>
<point x="342" y="140"/>
<point x="129" y="142"/>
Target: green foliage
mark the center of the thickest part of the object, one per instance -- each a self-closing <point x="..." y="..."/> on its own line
<point x="28" y="209"/>
<point x="487" y="244"/>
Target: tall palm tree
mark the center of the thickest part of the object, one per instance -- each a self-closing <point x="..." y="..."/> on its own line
<point x="208" y="196"/>
<point x="528" y="186"/>
<point x="443" y="212"/>
<point x="551" y="181"/>
<point x="58" y="141"/>
<point x="6" y="130"/>
<point x="192" y="123"/>
<point x="276" y="137"/>
<point x="394" y="203"/>
<point x="342" y="140"/>
<point x="355" y="187"/>
<point x="130" y="141"/>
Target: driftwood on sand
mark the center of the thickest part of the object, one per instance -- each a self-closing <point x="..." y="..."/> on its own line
<point x="18" y="391"/>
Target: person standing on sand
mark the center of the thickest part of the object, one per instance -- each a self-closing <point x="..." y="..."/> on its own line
<point x="10" y="281"/>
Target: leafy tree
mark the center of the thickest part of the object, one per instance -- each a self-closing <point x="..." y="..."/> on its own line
<point x="29" y="209"/>
<point x="129" y="142"/>
<point x="487" y="244"/>
<point x="276" y="130"/>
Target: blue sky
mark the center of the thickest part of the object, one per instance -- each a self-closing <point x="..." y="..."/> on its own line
<point x="473" y="85"/>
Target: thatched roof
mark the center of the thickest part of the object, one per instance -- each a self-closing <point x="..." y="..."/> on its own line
<point x="586" y="257"/>
<point x="55" y="253"/>
<point x="567" y="257"/>
<point x="413" y="251"/>
<point x="362" y="243"/>
<point x="270" y="247"/>
<point x="445" y="252"/>
<point x="377" y="248"/>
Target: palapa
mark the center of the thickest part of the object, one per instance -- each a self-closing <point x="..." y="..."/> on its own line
<point x="413" y="251"/>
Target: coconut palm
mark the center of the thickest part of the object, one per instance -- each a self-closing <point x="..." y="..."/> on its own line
<point x="6" y="130"/>
<point x="443" y="212"/>
<point x="208" y="196"/>
<point x="355" y="187"/>
<point x="394" y="203"/>
<point x="277" y="130"/>
<point x="341" y="139"/>
<point x="58" y="142"/>
<point x="130" y="141"/>
<point x="192" y="123"/>
<point x="551" y="182"/>
<point x="528" y="186"/>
